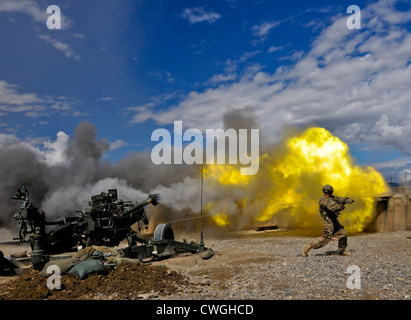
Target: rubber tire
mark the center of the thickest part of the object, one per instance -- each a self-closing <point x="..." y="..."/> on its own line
<point x="163" y="232"/>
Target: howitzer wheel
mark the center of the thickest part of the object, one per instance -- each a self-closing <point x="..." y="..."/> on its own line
<point x="163" y="232"/>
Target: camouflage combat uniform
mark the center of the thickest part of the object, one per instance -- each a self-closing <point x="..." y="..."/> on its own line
<point x="330" y="208"/>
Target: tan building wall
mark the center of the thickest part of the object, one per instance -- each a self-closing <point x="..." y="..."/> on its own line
<point x="393" y="212"/>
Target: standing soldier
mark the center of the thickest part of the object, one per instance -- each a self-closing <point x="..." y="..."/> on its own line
<point x="330" y="208"/>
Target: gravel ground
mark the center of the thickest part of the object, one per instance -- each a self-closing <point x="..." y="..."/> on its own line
<point x="271" y="267"/>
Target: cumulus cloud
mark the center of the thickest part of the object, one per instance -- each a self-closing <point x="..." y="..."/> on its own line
<point x="39" y="15"/>
<point x="32" y="9"/>
<point x="355" y="83"/>
<point x="10" y="96"/>
<point x="393" y="164"/>
<point x="28" y="7"/>
<point x="54" y="153"/>
<point x="31" y="104"/>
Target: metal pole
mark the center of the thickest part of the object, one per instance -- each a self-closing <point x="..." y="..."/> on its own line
<point x="201" y="210"/>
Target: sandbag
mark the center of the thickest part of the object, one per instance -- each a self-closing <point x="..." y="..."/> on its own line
<point x="85" y="268"/>
<point x="18" y="255"/>
<point x="87" y="252"/>
<point x="121" y="261"/>
<point x="207" y="254"/>
<point x="64" y="264"/>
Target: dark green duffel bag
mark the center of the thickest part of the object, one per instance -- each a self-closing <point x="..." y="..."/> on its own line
<point x="87" y="267"/>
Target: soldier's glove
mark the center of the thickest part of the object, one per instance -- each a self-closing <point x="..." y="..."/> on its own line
<point x="349" y="201"/>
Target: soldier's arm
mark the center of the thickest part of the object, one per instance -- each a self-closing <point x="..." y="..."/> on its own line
<point x="343" y="200"/>
<point x="333" y="205"/>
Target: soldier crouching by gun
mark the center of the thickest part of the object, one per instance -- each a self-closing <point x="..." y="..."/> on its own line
<point x="330" y="208"/>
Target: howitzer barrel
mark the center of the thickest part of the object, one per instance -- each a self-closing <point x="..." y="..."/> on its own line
<point x="138" y="207"/>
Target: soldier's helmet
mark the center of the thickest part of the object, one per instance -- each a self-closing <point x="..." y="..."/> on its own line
<point x="328" y="189"/>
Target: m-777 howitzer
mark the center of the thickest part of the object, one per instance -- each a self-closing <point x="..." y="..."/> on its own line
<point x="33" y="222"/>
<point x="106" y="221"/>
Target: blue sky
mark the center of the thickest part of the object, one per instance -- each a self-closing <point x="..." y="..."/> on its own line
<point x="130" y="67"/>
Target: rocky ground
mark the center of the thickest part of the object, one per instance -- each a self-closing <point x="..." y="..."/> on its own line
<point x="253" y="265"/>
<point x="271" y="266"/>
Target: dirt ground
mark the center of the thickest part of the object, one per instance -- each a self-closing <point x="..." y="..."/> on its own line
<point x="127" y="282"/>
<point x="250" y="265"/>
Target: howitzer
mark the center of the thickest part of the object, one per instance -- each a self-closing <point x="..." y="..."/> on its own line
<point x="108" y="220"/>
<point x="33" y="223"/>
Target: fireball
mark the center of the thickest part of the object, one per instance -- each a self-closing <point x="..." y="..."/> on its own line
<point x="292" y="177"/>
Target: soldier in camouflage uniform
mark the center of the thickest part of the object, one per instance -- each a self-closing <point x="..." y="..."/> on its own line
<point x="330" y="208"/>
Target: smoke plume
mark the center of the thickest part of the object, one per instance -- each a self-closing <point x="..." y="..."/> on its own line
<point x="63" y="176"/>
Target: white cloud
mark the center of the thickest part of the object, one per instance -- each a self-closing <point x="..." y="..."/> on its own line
<point x="7" y="139"/>
<point x="28" y="7"/>
<point x="31" y="104"/>
<point x="199" y="14"/>
<point x="65" y="48"/>
<point x="11" y="101"/>
<point x="118" y="144"/>
<point x="264" y="29"/>
<point x="40" y="15"/>
<point x="142" y="114"/>
<point x="355" y="83"/>
<point x="393" y="164"/>
<point x="10" y="96"/>
<point x="274" y="49"/>
<point x="393" y="134"/>
<point x="55" y="152"/>
<point x="32" y="9"/>
<point x="219" y="78"/>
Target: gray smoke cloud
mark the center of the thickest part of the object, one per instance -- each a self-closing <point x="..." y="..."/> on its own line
<point x="184" y="193"/>
<point x="62" y="177"/>
<point x="71" y="164"/>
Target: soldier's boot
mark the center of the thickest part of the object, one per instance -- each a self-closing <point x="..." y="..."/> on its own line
<point x="344" y="253"/>
<point x="306" y="248"/>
